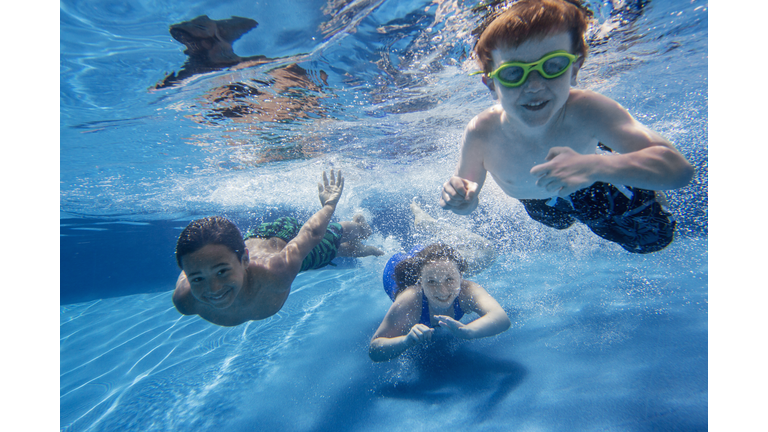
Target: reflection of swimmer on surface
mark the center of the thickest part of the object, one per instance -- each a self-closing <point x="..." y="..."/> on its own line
<point x="228" y="280"/>
<point x="429" y="292"/>
<point x="209" y="46"/>
<point x="209" y="49"/>
<point x="283" y="94"/>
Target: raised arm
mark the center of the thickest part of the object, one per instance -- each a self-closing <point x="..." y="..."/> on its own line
<point x="492" y="321"/>
<point x="644" y="159"/>
<point x="460" y="192"/>
<point x="313" y="231"/>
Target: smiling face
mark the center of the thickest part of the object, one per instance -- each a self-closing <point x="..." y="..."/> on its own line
<point x="215" y="275"/>
<point x="537" y="100"/>
<point x="441" y="282"/>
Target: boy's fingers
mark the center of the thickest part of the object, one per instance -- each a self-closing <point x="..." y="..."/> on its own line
<point x="457" y="183"/>
<point x="553" y="152"/>
<point x="468" y="189"/>
<point x="447" y="198"/>
<point x="539" y="170"/>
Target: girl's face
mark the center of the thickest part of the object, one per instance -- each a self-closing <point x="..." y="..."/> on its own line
<point x="441" y="282"/>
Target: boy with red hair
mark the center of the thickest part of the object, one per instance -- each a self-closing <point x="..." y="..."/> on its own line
<point x="540" y="142"/>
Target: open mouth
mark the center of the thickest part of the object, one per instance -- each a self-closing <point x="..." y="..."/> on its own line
<point x="219" y="296"/>
<point x="535" y="106"/>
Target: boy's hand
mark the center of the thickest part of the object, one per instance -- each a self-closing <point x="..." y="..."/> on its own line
<point x="566" y="171"/>
<point x="459" y="194"/>
<point x="419" y="334"/>
<point x="330" y="191"/>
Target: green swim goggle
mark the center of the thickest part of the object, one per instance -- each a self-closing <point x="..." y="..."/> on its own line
<point x="514" y="73"/>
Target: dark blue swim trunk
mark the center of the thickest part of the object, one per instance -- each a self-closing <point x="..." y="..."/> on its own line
<point x="286" y="228"/>
<point x="638" y="223"/>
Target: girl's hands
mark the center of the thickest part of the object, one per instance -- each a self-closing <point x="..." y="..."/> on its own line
<point x="456" y="328"/>
<point x="419" y="334"/>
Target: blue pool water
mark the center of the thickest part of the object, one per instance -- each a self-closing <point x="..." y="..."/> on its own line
<point x="601" y="340"/>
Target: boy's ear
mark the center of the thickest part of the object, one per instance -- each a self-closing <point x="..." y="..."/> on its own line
<point x="576" y="66"/>
<point x="491" y="86"/>
<point x="246" y="257"/>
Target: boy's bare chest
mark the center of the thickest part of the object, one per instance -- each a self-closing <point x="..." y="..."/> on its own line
<point x="510" y="160"/>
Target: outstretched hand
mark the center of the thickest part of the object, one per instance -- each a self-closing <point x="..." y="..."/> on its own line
<point x="450" y="324"/>
<point x="330" y="190"/>
<point x="458" y="194"/>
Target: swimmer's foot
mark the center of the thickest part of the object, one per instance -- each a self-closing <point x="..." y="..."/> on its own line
<point x="355" y="249"/>
<point x="365" y="229"/>
<point x="420" y="217"/>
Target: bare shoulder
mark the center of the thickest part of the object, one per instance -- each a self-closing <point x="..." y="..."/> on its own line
<point x="485" y="123"/>
<point x="591" y="107"/>
<point x="406" y="303"/>
<point x="404" y="313"/>
<point x="273" y="275"/>
<point x="469" y="288"/>
<point x="182" y="297"/>
<point x="408" y="296"/>
<point x="471" y="291"/>
<point x="267" y="289"/>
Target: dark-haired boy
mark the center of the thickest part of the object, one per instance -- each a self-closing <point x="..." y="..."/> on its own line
<point x="228" y="281"/>
<point x="540" y="142"/>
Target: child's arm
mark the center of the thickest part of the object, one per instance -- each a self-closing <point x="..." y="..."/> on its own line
<point x="492" y="321"/>
<point x="460" y="192"/>
<point x="313" y="231"/>
<point x="391" y="339"/>
<point x="384" y="348"/>
<point x="645" y="159"/>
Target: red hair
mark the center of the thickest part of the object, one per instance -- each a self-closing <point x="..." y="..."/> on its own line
<point x="527" y="19"/>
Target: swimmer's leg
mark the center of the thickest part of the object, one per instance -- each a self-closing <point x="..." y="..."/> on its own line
<point x="479" y="252"/>
<point x="356" y="249"/>
<point x="355" y="231"/>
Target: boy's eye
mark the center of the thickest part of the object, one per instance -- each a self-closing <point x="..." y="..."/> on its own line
<point x="196" y="279"/>
<point x="555" y="65"/>
<point x="511" y="73"/>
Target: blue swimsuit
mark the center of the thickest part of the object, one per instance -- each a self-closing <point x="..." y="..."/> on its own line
<point x="425" y="318"/>
<point x="390" y="286"/>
